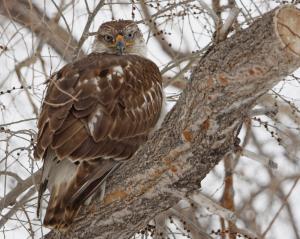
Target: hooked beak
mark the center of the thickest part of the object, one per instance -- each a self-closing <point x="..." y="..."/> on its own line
<point x="120" y="44"/>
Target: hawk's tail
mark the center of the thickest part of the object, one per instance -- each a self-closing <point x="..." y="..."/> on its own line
<point x="70" y="185"/>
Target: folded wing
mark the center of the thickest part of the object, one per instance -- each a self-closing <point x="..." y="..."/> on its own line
<point x="96" y="111"/>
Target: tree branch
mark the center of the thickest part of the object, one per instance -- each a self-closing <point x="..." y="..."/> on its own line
<point x="11" y="198"/>
<point x="85" y="35"/>
<point x="199" y="131"/>
<point x="28" y="15"/>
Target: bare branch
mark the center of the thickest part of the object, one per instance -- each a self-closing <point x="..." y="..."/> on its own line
<point x="260" y="158"/>
<point x="11" y="197"/>
<point x="213" y="207"/>
<point x="16" y="207"/>
<point x="281" y="207"/>
<point x="28" y="15"/>
<point x="224" y="30"/>
<point x="85" y="34"/>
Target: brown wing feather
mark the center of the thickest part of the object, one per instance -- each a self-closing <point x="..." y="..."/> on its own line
<point x="96" y="111"/>
<point x="112" y="96"/>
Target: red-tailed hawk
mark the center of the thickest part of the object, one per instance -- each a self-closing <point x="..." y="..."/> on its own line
<point x="97" y="112"/>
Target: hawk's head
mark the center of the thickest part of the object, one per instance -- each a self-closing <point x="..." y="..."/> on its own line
<point x="120" y="37"/>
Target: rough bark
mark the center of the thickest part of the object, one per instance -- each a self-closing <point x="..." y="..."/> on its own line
<point x="199" y="130"/>
<point x="27" y="14"/>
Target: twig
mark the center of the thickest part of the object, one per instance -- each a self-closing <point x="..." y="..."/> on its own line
<point x="154" y="29"/>
<point x="213" y="207"/>
<point x="280" y="209"/>
<point x="227" y="200"/>
<point x="264" y="111"/>
<point x="63" y="17"/>
<point x="12" y="174"/>
<point x="17" y="122"/>
<point x="17" y="205"/>
<point x="166" y="9"/>
<point x="85" y="34"/>
<point x="223" y="32"/>
<point x="39" y="23"/>
<point x="260" y="158"/>
<point x="12" y="196"/>
<point x="176" y="211"/>
<point x="210" y="12"/>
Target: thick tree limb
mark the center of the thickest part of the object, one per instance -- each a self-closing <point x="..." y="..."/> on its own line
<point x="28" y="15"/>
<point x="199" y="130"/>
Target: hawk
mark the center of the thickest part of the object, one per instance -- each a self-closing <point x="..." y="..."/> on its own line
<point x="96" y="113"/>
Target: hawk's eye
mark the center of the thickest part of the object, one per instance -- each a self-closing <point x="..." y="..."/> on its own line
<point x="129" y="35"/>
<point x="108" y="38"/>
